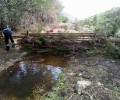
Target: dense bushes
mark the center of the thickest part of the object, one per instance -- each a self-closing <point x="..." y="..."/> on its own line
<point x="106" y="23"/>
<point x="41" y="40"/>
<point x="112" y="50"/>
<point x="109" y="49"/>
<point x="62" y="18"/>
<point x="117" y="33"/>
<point x="106" y="28"/>
<point x="43" y="11"/>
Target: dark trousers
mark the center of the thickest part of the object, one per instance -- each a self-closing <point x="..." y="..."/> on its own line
<point x="8" y="36"/>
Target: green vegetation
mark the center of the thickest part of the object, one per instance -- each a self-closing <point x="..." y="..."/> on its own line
<point x="112" y="50"/>
<point x="57" y="91"/>
<point x="106" y="23"/>
<point x="117" y="33"/>
<point x="62" y="18"/>
<point x="41" y="40"/>
<point x="92" y="52"/>
<point x="26" y="12"/>
<point x="26" y="49"/>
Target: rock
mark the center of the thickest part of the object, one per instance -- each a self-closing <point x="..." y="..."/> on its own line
<point x="99" y="84"/>
<point x="81" y="85"/>
<point x="71" y="74"/>
<point x="80" y="74"/>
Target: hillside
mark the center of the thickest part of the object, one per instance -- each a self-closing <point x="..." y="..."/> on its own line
<point x="109" y="21"/>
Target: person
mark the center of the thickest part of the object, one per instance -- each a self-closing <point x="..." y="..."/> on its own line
<point x="6" y="30"/>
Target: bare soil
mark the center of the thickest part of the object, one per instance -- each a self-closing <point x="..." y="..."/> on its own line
<point x="103" y="73"/>
<point x="8" y="58"/>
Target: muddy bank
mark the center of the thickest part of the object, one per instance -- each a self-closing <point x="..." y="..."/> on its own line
<point x="34" y="74"/>
<point x="102" y="74"/>
<point x="8" y="58"/>
<point x="90" y="78"/>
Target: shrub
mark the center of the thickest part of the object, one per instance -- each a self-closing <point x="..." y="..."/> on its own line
<point x="26" y="49"/>
<point x="42" y="40"/>
<point x="106" y="28"/>
<point x="62" y="18"/>
<point x="57" y="90"/>
<point x="91" y="52"/>
<point x="118" y="33"/>
<point x="112" y="50"/>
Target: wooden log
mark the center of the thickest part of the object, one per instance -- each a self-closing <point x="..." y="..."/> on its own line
<point x="56" y="34"/>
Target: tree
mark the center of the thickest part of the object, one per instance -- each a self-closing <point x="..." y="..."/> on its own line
<point x="45" y="11"/>
<point x="107" y="23"/>
<point x="106" y="28"/>
<point x="62" y="18"/>
<point x="77" y="24"/>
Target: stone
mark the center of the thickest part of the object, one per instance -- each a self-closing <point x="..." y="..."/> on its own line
<point x="80" y="74"/>
<point x="81" y="85"/>
<point x="71" y="74"/>
<point x="99" y="84"/>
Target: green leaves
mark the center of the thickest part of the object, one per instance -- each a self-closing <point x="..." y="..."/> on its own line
<point x="107" y="23"/>
<point x="62" y="18"/>
<point x="112" y="50"/>
<point x="42" y="40"/>
<point x="45" y="11"/>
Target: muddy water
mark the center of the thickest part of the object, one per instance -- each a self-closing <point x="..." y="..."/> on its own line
<point x="35" y="74"/>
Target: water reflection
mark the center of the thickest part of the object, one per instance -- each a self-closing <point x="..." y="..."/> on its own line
<point x="55" y="71"/>
<point x="31" y="70"/>
<point x="20" y="79"/>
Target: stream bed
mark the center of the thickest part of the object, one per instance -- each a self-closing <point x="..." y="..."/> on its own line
<point x="35" y="72"/>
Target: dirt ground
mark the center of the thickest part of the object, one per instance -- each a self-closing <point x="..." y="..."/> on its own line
<point x="103" y="73"/>
<point x="8" y="58"/>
